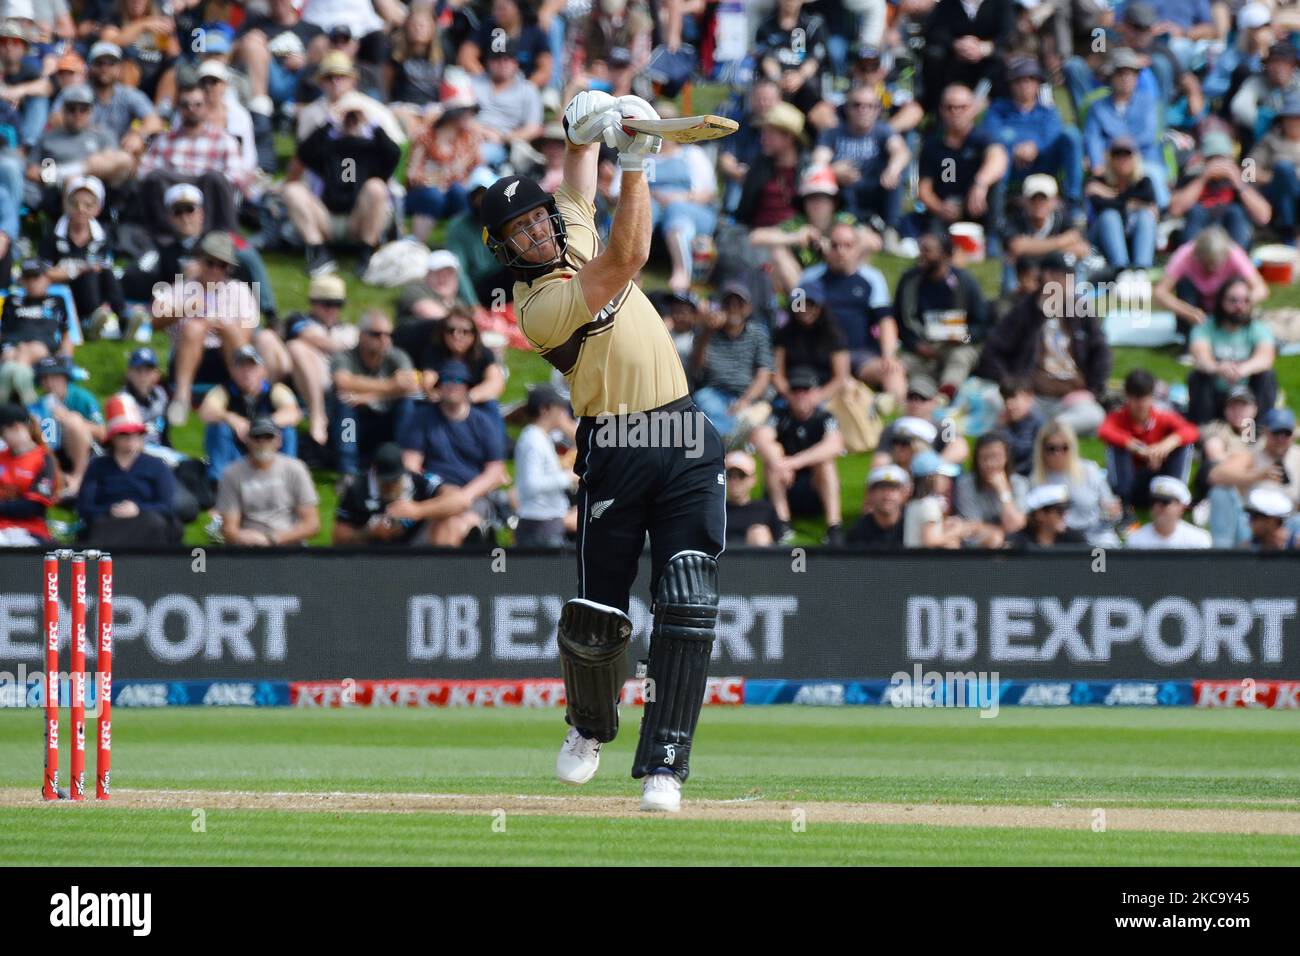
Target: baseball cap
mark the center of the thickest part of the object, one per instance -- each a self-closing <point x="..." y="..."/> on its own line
<point x="50" y="365"/>
<point x="1278" y="420"/>
<point x="1141" y="15"/>
<point x="219" y="246"/>
<point x="1041" y="184"/>
<point x="327" y="288"/>
<point x="911" y="428"/>
<point x="80" y="93"/>
<point x="1125" y="58"/>
<point x="263" y="427"/>
<point x="509" y="50"/>
<point x="819" y="181"/>
<point x="1281" y="51"/>
<point x="70" y="62"/>
<point x="1241" y="393"/>
<point x="123" y="417"/>
<point x="803" y="377"/>
<point x="453" y="370"/>
<point x="442" y="259"/>
<point x="143" y="357"/>
<point x="388" y="462"/>
<point x="183" y="192"/>
<point x="213" y="69"/>
<point x="336" y="63"/>
<point x="31" y="267"/>
<point x="1045" y="496"/>
<point x="1216" y="143"/>
<point x="814" y="293"/>
<point x="922" y="385"/>
<point x="741" y="461"/>
<point x="104" y="48"/>
<point x="1253" y="16"/>
<point x="886" y="475"/>
<point x="738" y="289"/>
<point x="89" y="183"/>
<point x="215" y="41"/>
<point x="1167" y="486"/>
<point x="1269" y="501"/>
<point x="929" y="463"/>
<point x="1023" y="67"/>
<point x="12" y="28"/>
<point x="246" y="354"/>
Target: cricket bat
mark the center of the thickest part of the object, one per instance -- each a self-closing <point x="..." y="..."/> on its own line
<point x="684" y="129"/>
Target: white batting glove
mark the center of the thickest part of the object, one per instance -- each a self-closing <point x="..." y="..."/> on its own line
<point x="635" y="108"/>
<point x="588" y="115"/>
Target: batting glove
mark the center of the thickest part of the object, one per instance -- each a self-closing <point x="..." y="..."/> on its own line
<point x="588" y="115"/>
<point x="632" y="107"/>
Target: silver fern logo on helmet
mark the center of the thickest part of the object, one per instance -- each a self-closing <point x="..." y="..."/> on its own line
<point x="510" y="190"/>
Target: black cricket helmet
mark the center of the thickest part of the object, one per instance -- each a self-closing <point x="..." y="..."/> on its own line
<point x="507" y="199"/>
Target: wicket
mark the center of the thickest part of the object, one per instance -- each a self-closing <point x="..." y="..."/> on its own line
<point x="77" y="676"/>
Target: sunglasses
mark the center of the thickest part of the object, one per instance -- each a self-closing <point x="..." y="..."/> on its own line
<point x="212" y="263"/>
<point x="918" y="397"/>
<point x="77" y="107"/>
<point x="183" y="209"/>
<point x="193" y="104"/>
<point x="1277" y="432"/>
<point x="1056" y="449"/>
<point x="262" y="437"/>
<point x="1162" y="502"/>
<point x="377" y="335"/>
<point x="104" y="61"/>
<point x="458" y="330"/>
<point x="736" y="473"/>
<point x="328" y="303"/>
<point x="864" y="105"/>
<point x="1054" y="509"/>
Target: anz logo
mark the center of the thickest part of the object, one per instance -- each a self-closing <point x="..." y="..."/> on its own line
<point x="607" y="314"/>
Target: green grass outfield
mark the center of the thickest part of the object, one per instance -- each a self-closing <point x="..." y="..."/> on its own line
<point x="1171" y="761"/>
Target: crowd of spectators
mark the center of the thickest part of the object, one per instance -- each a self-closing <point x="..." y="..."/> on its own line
<point x="155" y="156"/>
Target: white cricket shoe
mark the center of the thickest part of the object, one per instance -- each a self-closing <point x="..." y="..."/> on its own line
<point x="579" y="757"/>
<point x="662" y="793"/>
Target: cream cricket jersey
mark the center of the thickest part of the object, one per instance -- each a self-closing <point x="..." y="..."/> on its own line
<point x="620" y="360"/>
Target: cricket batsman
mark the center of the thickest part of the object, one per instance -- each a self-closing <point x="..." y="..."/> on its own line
<point x="581" y="309"/>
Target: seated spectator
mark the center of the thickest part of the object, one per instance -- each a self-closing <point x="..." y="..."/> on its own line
<point x="869" y="159"/>
<point x="204" y="344"/>
<point x="962" y="44"/>
<point x="1047" y="524"/>
<point x="799" y="447"/>
<point x="512" y="23"/>
<point x="905" y="438"/>
<point x="1260" y="96"/>
<point x="752" y="521"/>
<point x="69" y="417"/>
<point x="313" y="340"/>
<point x="33" y="325"/>
<point x="738" y="152"/>
<point x="732" y="361"/>
<point x="881" y="524"/>
<point x="337" y="76"/>
<point x="199" y="152"/>
<point x="1245" y="57"/>
<point x="1093" y="507"/>
<point x="453" y="441"/>
<point x="1268" y="511"/>
<point x="458" y="337"/>
<point x="1228" y="467"/>
<point x="856" y="295"/>
<point x="443" y="157"/>
<point x="422" y="305"/>
<point x="928" y="521"/>
<point x="267" y="499"/>
<point x="127" y="497"/>
<point x="510" y="107"/>
<point x="802" y="243"/>
<point x="681" y="314"/>
<point x="790" y="47"/>
<point x="75" y="149"/>
<point x="1231" y="348"/>
<point x="1276" y="157"/>
<point x="684" y="190"/>
<point x="464" y="239"/>
<point x="148" y="39"/>
<point x="962" y="171"/>
<point x="1060" y="349"/>
<point x="942" y="316"/>
<point x="1197" y="271"/>
<point x="187" y="223"/>
<point x="1039" y="225"/>
<point x="416" y="68"/>
<point x="392" y="504"/>
<point x="811" y="339"/>
<point x="1019" y="422"/>
<point x="543" y="483"/>
<point x="274" y="48"/>
<point x="370" y="402"/>
<point x="29" y="480"/>
<point x="880" y="71"/>
<point x="1033" y="135"/>
<point x="81" y="256"/>
<point x="992" y="496"/>
<point x="354" y="160"/>
<point x="1122" y="201"/>
<point x="25" y="88"/>
<point x="229" y="411"/>
<point x="1213" y="191"/>
<point x="1128" y="113"/>
<point x="226" y="112"/>
<point x="1143" y="441"/>
<point x="771" y="185"/>
<point x="1170" y="498"/>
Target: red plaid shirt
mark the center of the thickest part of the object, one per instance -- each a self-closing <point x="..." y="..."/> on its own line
<point x="211" y="149"/>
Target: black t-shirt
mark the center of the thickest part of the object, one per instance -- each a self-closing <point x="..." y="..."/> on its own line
<point x="415" y="81"/>
<point x="306" y="31"/>
<point x="1140" y="191"/>
<point x="25" y="319"/>
<point x="866" y="533"/>
<point x="25" y="74"/>
<point x="1018" y="224"/>
<point x="530" y="44"/>
<point x="1069" y="538"/>
<point x="966" y="162"/>
<point x="740" y="518"/>
<point x="812" y="347"/>
<point x="435" y="353"/>
<point x="363" y="501"/>
<point x="796" y="436"/>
